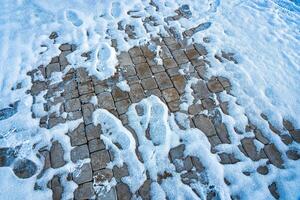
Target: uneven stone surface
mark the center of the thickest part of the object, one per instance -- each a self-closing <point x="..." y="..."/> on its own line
<point x="145" y="77"/>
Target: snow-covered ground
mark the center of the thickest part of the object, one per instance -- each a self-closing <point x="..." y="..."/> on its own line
<point x="264" y="34"/>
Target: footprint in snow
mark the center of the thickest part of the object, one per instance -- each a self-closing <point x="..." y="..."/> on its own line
<point x="73" y="18"/>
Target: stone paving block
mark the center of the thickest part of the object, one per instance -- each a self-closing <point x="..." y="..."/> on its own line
<point x="103" y="175"/>
<point x="214" y="85"/>
<point x="170" y="94"/>
<point x="86" y="98"/>
<point x="214" y="141"/>
<point x="263" y="170"/>
<point x="82" y="75"/>
<point x="100" y="88"/>
<point x="169" y="63"/>
<point x="72" y="105"/>
<point x="123" y="192"/>
<point x="286" y="139"/>
<point x="155" y="92"/>
<point x="222" y="133"/>
<point x="165" y="52"/>
<point x="57" y="155"/>
<point x="200" y="90"/>
<point x="195" y="109"/>
<point x="53" y="121"/>
<point x="63" y="61"/>
<point x="174" y="106"/>
<point x="54" y="60"/>
<point x="143" y="70"/>
<point x="56" y="187"/>
<point x="288" y="125"/>
<point x="70" y="90"/>
<point x="85" y="174"/>
<point x="85" y="88"/>
<point x="157" y="68"/>
<point x="293" y="154"/>
<point x="163" y="80"/>
<point x="138" y="59"/>
<point x="149" y="83"/>
<point x="250" y="148"/>
<point x="77" y="136"/>
<point x="37" y="87"/>
<point x="224" y="107"/>
<point x="124" y="58"/>
<point x="87" y="112"/>
<point x="179" y="83"/>
<point x="173" y="71"/>
<point x="124" y="119"/>
<point x="205" y="125"/>
<point x="79" y="153"/>
<point x="133" y="80"/>
<point x="129" y="71"/>
<point x="273" y="190"/>
<point x="175" y="46"/>
<point x="135" y="51"/>
<point x="136" y="93"/>
<point x="65" y="47"/>
<point x="96" y="145"/>
<point x="169" y="40"/>
<point x="144" y="190"/>
<point x="208" y="103"/>
<point x="295" y="135"/>
<point x="180" y="57"/>
<point x="147" y="52"/>
<point x="202" y="70"/>
<point x="99" y="159"/>
<point x="201" y="49"/>
<point x="105" y="100"/>
<point x="224" y="81"/>
<point x="274" y="155"/>
<point x="225" y="158"/>
<point x="177" y="152"/>
<point x="192" y="54"/>
<point x="198" y="62"/>
<point x="120" y="172"/>
<point x="110" y="195"/>
<point x="84" y="191"/>
<point x="92" y="132"/>
<point x="122" y="106"/>
<point x="118" y="94"/>
<point x="197" y="164"/>
<point x="54" y="67"/>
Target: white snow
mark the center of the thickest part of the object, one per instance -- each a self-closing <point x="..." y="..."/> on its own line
<point x="263" y="34"/>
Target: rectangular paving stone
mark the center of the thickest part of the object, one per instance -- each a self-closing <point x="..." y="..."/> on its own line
<point x="72" y="105"/>
<point x="99" y="159"/>
<point x="201" y="49"/>
<point x="118" y="94"/>
<point x="157" y="68"/>
<point x="149" y="83"/>
<point x="57" y="188"/>
<point x="208" y="103"/>
<point x="133" y="80"/>
<point x="135" y="51"/>
<point x="57" y="155"/>
<point x="174" y="106"/>
<point x="79" y="153"/>
<point x="192" y="54"/>
<point x="180" y="57"/>
<point x="124" y="59"/>
<point x="200" y="90"/>
<point x="198" y="62"/>
<point x="274" y="155"/>
<point x="174" y="47"/>
<point x="138" y="59"/>
<point x="214" y="85"/>
<point x="169" y="40"/>
<point x="250" y="148"/>
<point x="96" y="145"/>
<point x="173" y="71"/>
<point x="205" y="125"/>
<point x="136" y="93"/>
<point x="123" y="192"/>
<point x="77" y="136"/>
<point x="169" y="63"/>
<point x="122" y="106"/>
<point x="165" y="52"/>
<point x="163" y="80"/>
<point x="92" y="132"/>
<point x="129" y="71"/>
<point x="105" y="100"/>
<point x="82" y="75"/>
<point x="120" y="172"/>
<point x="84" y="191"/>
<point x="100" y="88"/>
<point x="54" y="67"/>
<point x="86" y="98"/>
<point x="86" y="88"/>
<point x="143" y="70"/>
<point x="222" y="133"/>
<point x="87" y="112"/>
<point x="85" y="174"/>
<point x="155" y="92"/>
<point x="170" y="94"/>
<point x="179" y="83"/>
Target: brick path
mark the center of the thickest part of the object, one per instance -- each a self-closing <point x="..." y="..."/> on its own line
<point x="145" y="78"/>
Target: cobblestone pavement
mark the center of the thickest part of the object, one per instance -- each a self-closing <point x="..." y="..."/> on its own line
<point x="74" y="93"/>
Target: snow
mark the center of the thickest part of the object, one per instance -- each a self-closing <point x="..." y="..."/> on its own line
<point x="263" y="35"/>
